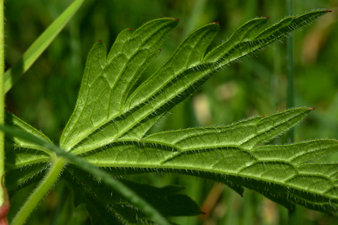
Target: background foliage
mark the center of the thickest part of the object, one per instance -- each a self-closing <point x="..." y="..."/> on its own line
<point x="46" y="95"/>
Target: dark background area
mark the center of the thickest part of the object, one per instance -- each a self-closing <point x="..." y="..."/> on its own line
<point x="45" y="96"/>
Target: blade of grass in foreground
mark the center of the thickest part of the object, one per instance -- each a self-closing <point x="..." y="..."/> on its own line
<point x="13" y="74"/>
<point x="98" y="173"/>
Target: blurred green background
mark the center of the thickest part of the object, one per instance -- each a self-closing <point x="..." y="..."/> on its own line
<point x="45" y="96"/>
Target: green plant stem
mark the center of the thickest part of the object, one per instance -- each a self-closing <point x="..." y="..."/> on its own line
<point x="45" y="185"/>
<point x="289" y="70"/>
<point x="2" y="97"/>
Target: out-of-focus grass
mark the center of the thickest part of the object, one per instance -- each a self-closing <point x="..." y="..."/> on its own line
<point x="46" y="95"/>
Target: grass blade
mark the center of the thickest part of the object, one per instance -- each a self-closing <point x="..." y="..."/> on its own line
<point x="13" y="74"/>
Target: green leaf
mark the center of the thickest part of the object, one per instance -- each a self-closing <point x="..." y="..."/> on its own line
<point x="20" y="152"/>
<point x="25" y="161"/>
<point x="166" y="200"/>
<point x="181" y="75"/>
<point x="16" y="158"/>
<point x="266" y="37"/>
<point x="231" y="153"/>
<point x="40" y="44"/>
<point x="14" y="121"/>
<point x="246" y="133"/>
<point x="22" y="177"/>
<point x="244" y="33"/>
<point x="194" y="43"/>
<point x="99" y="174"/>
<point x="107" y="81"/>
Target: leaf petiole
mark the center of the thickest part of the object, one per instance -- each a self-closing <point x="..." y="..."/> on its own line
<point x="44" y="186"/>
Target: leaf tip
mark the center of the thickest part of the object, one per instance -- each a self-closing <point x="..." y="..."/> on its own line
<point x="267" y="17"/>
<point x="130" y="28"/>
<point x="327" y="10"/>
<point x="217" y="22"/>
<point x="312" y="108"/>
<point x="100" y="40"/>
<point x="160" y="49"/>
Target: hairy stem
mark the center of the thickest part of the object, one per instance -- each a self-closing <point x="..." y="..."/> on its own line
<point x="45" y="185"/>
<point x="2" y="97"/>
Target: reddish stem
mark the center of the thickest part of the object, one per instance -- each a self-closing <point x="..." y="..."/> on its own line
<point x="4" y="209"/>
